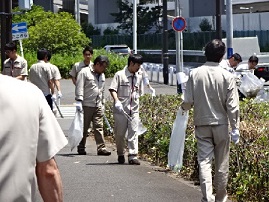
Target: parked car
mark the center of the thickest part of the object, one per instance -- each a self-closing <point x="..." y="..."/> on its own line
<point x="119" y="49"/>
<point x="262" y="71"/>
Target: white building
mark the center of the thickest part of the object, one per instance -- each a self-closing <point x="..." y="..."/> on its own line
<point x="248" y="14"/>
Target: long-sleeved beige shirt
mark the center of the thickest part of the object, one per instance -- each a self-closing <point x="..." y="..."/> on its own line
<point x="40" y="75"/>
<point x="213" y="94"/>
<point x="127" y="85"/>
<point x="90" y="87"/>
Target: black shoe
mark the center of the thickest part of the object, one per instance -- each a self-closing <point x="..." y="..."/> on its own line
<point x="103" y="152"/>
<point x="121" y="159"/>
<point x="82" y="152"/>
<point x="134" y="162"/>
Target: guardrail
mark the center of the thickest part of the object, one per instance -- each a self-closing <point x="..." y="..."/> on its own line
<point x="173" y="52"/>
<point x="155" y="72"/>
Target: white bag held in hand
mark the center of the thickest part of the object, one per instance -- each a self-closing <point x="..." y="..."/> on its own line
<point x="177" y="140"/>
<point x="250" y="85"/>
<point x="75" y="132"/>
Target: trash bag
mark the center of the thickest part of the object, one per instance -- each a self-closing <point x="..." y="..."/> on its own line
<point x="75" y="132"/>
<point x="262" y="96"/>
<point x="141" y="128"/>
<point x="177" y="140"/>
<point x="250" y="85"/>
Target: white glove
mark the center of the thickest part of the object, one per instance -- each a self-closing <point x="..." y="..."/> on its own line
<point x="235" y="136"/>
<point x="119" y="106"/>
<point x="53" y="97"/>
<point x="103" y="108"/>
<point x="60" y="94"/>
<point x="146" y="81"/>
<point x="152" y="91"/>
<point x="79" y="106"/>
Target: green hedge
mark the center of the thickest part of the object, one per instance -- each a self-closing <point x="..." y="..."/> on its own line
<point x="248" y="181"/>
<point x="65" y="62"/>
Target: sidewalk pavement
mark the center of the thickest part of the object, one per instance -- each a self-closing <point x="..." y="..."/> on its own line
<point x="68" y="90"/>
<point x="101" y="178"/>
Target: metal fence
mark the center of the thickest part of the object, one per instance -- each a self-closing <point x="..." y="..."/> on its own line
<point x="191" y="41"/>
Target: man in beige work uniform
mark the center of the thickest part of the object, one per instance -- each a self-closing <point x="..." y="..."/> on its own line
<point x="90" y="86"/>
<point x="56" y="76"/>
<point x="87" y="54"/>
<point x="213" y="94"/>
<point x="15" y="65"/>
<point x="30" y="137"/>
<point x="125" y="89"/>
<point x="40" y="75"/>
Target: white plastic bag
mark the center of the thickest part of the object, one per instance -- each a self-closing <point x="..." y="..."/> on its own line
<point x="262" y="96"/>
<point x="250" y="85"/>
<point x="75" y="132"/>
<point x="177" y="140"/>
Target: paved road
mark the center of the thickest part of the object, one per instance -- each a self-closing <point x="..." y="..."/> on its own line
<point x="68" y="90"/>
<point x="101" y="178"/>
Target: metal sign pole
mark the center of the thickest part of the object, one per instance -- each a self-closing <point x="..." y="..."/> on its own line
<point x="3" y="32"/>
<point x="135" y="26"/>
<point x="229" y="23"/>
<point x="21" y="48"/>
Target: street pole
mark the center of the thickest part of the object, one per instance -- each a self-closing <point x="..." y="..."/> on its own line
<point x="165" y="44"/>
<point x="135" y="26"/>
<point x="218" y="20"/>
<point x="6" y="26"/>
<point x="77" y="11"/>
<point x="229" y="21"/>
<point x="8" y="8"/>
<point x="3" y="32"/>
<point x="179" y="47"/>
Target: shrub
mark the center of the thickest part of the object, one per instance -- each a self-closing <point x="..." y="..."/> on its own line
<point x="58" y="32"/>
<point x="65" y="61"/>
<point x="249" y="165"/>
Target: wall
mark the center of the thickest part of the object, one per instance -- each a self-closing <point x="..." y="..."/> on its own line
<point x="241" y="22"/>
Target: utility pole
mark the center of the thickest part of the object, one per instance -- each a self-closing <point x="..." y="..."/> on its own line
<point x="218" y="20"/>
<point x="165" y="44"/>
<point x="135" y="26"/>
<point x="229" y="21"/>
<point x="6" y="25"/>
<point x="8" y="8"/>
<point x="77" y="11"/>
<point x="179" y="46"/>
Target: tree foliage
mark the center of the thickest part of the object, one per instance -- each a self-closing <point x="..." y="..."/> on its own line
<point x="90" y="30"/>
<point x="58" y="32"/>
<point x="205" y="25"/>
<point x="110" y="31"/>
<point x="147" y="19"/>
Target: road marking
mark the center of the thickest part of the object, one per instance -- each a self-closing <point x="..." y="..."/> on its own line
<point x="67" y="111"/>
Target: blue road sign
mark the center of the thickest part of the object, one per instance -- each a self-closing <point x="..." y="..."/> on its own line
<point x="179" y="24"/>
<point x="229" y="52"/>
<point x="19" y="31"/>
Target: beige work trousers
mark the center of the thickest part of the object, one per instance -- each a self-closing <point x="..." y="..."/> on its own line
<point x="213" y="141"/>
<point x="120" y="128"/>
<point x="93" y="115"/>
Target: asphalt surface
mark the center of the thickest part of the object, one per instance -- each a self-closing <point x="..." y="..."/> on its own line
<point x="101" y="178"/>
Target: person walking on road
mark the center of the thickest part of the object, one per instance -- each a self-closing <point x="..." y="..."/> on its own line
<point x="40" y="75"/>
<point x="249" y="67"/>
<point x="125" y="89"/>
<point x="231" y="63"/>
<point x="30" y="137"/>
<point x="213" y="94"/>
<point x="87" y="54"/>
<point x="145" y="77"/>
<point x="56" y="76"/>
<point x="90" y="86"/>
<point x="15" y="65"/>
